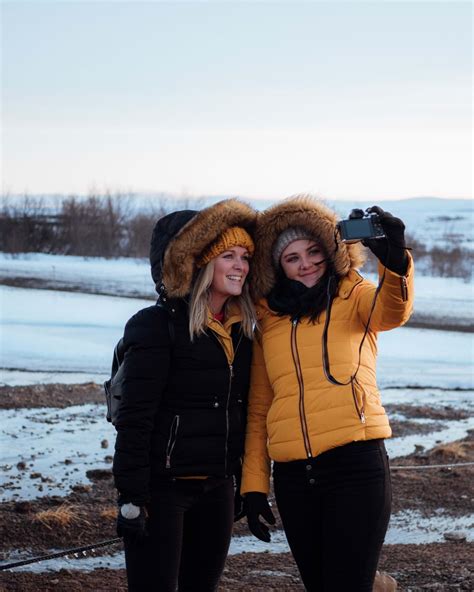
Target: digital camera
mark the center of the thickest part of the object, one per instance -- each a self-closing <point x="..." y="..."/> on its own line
<point x="360" y="226"/>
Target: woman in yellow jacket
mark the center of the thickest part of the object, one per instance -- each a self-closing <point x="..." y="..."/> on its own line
<point x="314" y="405"/>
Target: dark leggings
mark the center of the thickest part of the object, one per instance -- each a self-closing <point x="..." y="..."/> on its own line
<point x="335" y="510"/>
<point x="190" y="526"/>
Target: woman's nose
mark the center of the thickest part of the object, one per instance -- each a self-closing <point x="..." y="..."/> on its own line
<point x="305" y="263"/>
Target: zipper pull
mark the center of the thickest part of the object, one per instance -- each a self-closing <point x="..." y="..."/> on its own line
<point x="168" y="462"/>
<point x="231" y="370"/>
<point x="362" y="417"/>
<point x="294" y="322"/>
<point x="404" y="288"/>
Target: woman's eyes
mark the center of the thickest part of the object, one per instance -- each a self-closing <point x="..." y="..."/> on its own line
<point x="315" y="251"/>
<point x="231" y="256"/>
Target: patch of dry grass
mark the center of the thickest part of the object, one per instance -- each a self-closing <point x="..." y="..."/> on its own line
<point x="109" y="513"/>
<point x="452" y="451"/>
<point x="62" y="516"/>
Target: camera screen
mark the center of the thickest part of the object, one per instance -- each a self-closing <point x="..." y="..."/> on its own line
<point x="358" y="228"/>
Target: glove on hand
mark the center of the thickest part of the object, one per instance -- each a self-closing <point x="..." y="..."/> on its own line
<point x="256" y="504"/>
<point x="239" y="507"/>
<point x="131" y="522"/>
<point x="239" y="504"/>
<point x="390" y="251"/>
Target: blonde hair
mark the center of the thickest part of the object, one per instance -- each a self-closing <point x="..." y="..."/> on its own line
<point x="199" y="304"/>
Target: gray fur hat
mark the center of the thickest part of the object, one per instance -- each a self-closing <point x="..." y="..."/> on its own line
<point x="288" y="236"/>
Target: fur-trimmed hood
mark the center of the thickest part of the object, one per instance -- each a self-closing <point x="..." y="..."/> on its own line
<point x="314" y="216"/>
<point x="179" y="238"/>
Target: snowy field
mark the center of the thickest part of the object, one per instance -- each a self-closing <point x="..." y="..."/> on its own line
<point x="68" y="337"/>
<point x="63" y="332"/>
<point x="51" y="336"/>
<point x="448" y="299"/>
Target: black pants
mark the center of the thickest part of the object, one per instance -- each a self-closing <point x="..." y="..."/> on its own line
<point x="190" y="526"/>
<point x="335" y="510"/>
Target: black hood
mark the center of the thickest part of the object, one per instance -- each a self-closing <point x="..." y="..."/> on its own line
<point x="165" y="229"/>
<point x="179" y="239"/>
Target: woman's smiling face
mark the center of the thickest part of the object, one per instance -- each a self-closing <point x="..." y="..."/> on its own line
<point x="304" y="261"/>
<point x="230" y="272"/>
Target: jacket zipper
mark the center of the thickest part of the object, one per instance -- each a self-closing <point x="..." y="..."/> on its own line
<point x="226" y="447"/>
<point x="360" y="412"/>
<point x="299" y="374"/>
<point x="172" y="440"/>
<point x="404" y="288"/>
<point x="229" y="390"/>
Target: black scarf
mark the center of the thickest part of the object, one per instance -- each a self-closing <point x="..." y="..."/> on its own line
<point x="289" y="297"/>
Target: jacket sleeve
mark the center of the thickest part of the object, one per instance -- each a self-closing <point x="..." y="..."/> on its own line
<point x="394" y="302"/>
<point x="146" y="365"/>
<point x="256" y="468"/>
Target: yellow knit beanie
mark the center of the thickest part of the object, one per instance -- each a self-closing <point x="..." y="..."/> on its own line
<point x="232" y="237"/>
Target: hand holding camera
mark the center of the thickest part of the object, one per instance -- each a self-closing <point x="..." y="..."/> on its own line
<point x="381" y="232"/>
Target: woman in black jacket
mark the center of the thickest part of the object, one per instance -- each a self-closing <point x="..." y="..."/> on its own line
<point x="181" y="422"/>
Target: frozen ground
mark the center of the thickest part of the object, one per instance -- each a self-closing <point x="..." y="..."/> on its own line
<point x="46" y="451"/>
<point x="63" y="332"/>
<point x="124" y="277"/>
<point x="52" y="331"/>
<point x="407" y="527"/>
<point x="447" y="299"/>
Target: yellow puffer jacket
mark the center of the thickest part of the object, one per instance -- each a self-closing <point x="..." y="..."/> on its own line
<point x="294" y="411"/>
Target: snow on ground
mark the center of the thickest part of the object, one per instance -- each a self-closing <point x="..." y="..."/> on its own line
<point x="61" y="445"/>
<point x="406" y="527"/>
<point x="124" y="276"/>
<point x="50" y="331"/>
<point x="446" y="298"/>
<point x="24" y="377"/>
<point x="45" y="330"/>
<point x="451" y="431"/>
<point x="56" y="445"/>
<point x="425" y="357"/>
<point x="52" y="334"/>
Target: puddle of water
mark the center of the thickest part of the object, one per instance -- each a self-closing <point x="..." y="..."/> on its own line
<point x="452" y="430"/>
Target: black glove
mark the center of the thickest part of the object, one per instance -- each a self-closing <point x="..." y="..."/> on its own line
<point x="134" y="528"/>
<point x="256" y="504"/>
<point x="390" y="251"/>
<point x="239" y="504"/>
<point x="239" y="507"/>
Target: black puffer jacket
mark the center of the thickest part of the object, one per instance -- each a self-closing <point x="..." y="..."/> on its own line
<point x="183" y="408"/>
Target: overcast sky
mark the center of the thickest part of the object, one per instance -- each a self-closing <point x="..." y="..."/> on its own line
<point x="257" y="99"/>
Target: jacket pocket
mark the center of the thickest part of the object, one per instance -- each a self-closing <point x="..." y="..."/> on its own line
<point x="358" y="396"/>
<point x="173" y="436"/>
<point x="404" y="288"/>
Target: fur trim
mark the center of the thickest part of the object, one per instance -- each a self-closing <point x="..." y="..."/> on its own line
<point x="179" y="263"/>
<point x="306" y="212"/>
